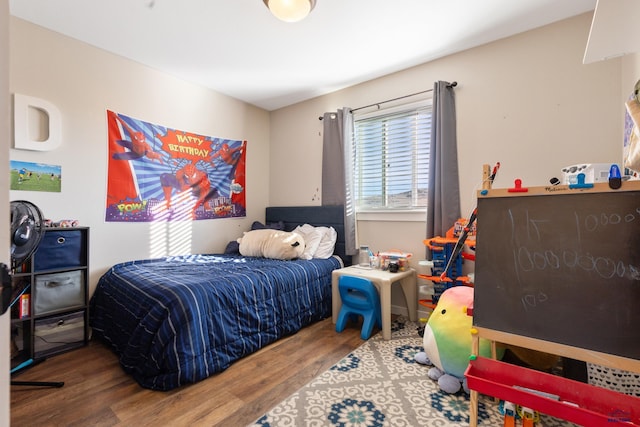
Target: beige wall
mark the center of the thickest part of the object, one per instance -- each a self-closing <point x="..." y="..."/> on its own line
<point x="83" y="82"/>
<point x="4" y="201"/>
<point x="630" y="74"/>
<point x="526" y="101"/>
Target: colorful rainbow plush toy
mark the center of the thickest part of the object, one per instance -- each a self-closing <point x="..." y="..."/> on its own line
<point x="447" y="340"/>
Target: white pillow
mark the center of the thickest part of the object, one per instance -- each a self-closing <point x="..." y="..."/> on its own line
<point x="328" y="242"/>
<point x="312" y="238"/>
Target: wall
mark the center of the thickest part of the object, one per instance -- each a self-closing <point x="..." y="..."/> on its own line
<point x="4" y="197"/>
<point x="630" y="74"/>
<point x="83" y="82"/>
<point x="526" y="101"/>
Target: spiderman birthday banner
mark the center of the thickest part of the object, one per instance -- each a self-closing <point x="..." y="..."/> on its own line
<point x="161" y="174"/>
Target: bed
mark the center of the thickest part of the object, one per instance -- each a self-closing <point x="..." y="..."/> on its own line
<point x="178" y="320"/>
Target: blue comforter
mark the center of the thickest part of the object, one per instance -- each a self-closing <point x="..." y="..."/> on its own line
<point x="178" y="320"/>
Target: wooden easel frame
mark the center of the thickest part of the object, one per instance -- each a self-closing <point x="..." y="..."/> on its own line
<point x="608" y="360"/>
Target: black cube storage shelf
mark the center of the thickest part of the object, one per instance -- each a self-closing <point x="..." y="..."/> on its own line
<point x="55" y="319"/>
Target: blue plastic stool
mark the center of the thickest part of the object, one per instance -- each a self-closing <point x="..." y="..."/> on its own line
<point x="359" y="298"/>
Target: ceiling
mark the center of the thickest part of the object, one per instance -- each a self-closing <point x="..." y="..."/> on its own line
<point x="236" y="47"/>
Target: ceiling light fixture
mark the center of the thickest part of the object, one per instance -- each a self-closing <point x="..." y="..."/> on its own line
<point x="290" y="10"/>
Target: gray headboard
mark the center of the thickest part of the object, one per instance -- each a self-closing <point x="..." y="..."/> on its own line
<point x="328" y="216"/>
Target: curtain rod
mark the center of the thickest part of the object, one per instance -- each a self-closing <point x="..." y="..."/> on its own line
<point x="452" y="84"/>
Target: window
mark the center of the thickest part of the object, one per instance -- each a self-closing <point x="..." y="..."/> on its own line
<point x="391" y="158"/>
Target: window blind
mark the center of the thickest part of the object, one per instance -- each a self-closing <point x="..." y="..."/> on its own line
<point x="391" y="156"/>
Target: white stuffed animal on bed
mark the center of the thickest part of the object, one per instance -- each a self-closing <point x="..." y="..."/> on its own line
<point x="274" y="244"/>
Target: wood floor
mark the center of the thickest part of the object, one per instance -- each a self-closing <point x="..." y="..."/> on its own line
<point x="98" y="393"/>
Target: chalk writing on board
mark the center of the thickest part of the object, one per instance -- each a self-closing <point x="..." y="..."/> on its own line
<point x="527" y="258"/>
<point x="533" y="300"/>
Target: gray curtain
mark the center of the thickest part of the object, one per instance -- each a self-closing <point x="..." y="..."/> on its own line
<point x="337" y="170"/>
<point x="443" y="204"/>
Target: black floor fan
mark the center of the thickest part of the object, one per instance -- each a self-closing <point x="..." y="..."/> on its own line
<point x="27" y="225"/>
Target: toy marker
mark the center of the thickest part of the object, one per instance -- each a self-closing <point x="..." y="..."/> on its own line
<point x="615" y="180"/>
<point x="518" y="187"/>
<point x="474" y="331"/>
<point x="493" y="173"/>
<point x="509" y="414"/>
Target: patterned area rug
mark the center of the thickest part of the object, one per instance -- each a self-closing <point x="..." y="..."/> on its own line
<point x="380" y="384"/>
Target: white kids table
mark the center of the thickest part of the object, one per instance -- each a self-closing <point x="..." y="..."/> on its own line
<point x="383" y="281"/>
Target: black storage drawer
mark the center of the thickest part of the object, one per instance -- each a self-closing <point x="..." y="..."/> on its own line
<point x="58" y="333"/>
<point x="60" y="249"/>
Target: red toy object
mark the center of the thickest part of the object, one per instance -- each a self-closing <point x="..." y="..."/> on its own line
<point x="518" y="187"/>
<point x="580" y="403"/>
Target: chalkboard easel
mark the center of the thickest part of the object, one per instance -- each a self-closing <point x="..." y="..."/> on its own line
<point x="558" y="270"/>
